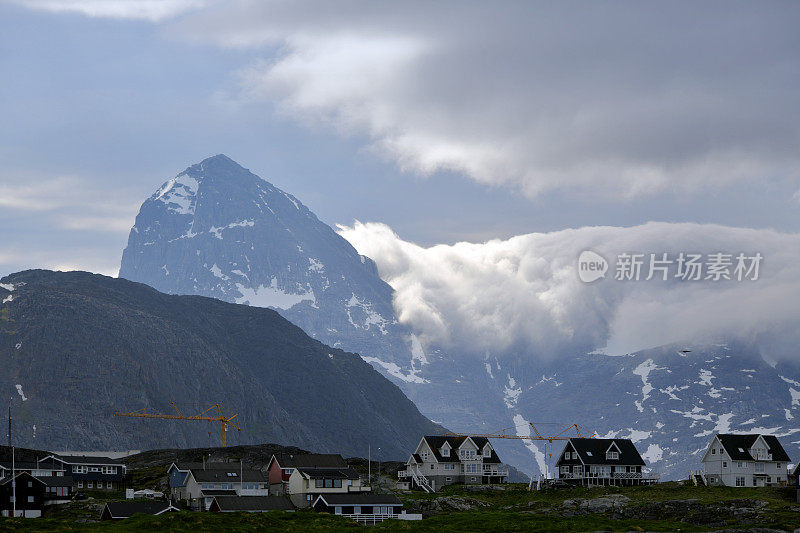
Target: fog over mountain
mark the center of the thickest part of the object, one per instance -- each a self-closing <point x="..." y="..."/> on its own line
<point x="495" y="335"/>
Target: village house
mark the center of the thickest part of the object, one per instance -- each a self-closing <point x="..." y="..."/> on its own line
<point x="443" y="460"/>
<point x="199" y="483"/>
<point x="281" y="467"/>
<point x="746" y="460"/>
<point x="593" y="462"/>
<point x="22" y="495"/>
<point x="87" y="472"/>
<point x="305" y="484"/>
<point x="250" y="504"/>
<point x="122" y="510"/>
<point x="364" y="508"/>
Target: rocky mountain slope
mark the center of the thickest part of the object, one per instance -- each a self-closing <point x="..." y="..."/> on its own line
<point x="218" y="230"/>
<point x="76" y="347"/>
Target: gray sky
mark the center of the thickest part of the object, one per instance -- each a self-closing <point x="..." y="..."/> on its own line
<point x="445" y="121"/>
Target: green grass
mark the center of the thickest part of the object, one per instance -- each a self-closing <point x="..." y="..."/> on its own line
<point x="512" y="510"/>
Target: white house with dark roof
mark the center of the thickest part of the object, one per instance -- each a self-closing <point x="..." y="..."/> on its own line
<point x="746" y="460"/>
<point x="444" y="460"/>
<point x="199" y="483"/>
<point x="594" y="462"/>
<point x="305" y="484"/>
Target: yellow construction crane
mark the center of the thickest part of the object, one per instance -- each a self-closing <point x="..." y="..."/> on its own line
<point x="206" y="415"/>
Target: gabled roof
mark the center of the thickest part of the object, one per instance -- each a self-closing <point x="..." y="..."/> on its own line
<point x="331" y="473"/>
<point x="129" y="508"/>
<point x="435" y="442"/>
<point x="358" y="498"/>
<point x="775" y="448"/>
<point x="7" y="479"/>
<point x="309" y="460"/>
<point x="254" y="503"/>
<point x="738" y="446"/>
<point x="593" y="451"/>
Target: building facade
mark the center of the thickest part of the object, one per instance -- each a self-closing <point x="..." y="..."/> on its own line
<point x="598" y="462"/>
<point x="445" y="460"/>
<point x="199" y="483"/>
<point x="746" y="460"/>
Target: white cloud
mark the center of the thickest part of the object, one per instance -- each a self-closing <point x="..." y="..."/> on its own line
<point x="523" y="295"/>
<point x="607" y="100"/>
<point x="152" y="10"/>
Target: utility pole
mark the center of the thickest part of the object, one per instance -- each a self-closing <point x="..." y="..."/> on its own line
<point x="9" y="422"/>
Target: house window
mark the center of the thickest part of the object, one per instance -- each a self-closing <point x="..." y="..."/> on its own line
<point x="338" y="510"/>
<point x="472" y="479"/>
<point x="30" y="499"/>
<point x="564" y="469"/>
<point x="445" y="452"/>
<point x="713" y="451"/>
<point x="109" y="485"/>
<point x="759" y="467"/>
<point x="739" y="464"/>
<point x="612" y="455"/>
<point x="318" y="483"/>
<point x="288" y="471"/>
<point x="471" y="468"/>
<point x="448" y="479"/>
<point x="449" y="466"/>
<point x="80" y="484"/>
<point x="724" y="464"/>
<point x="779" y="466"/>
<point x="740" y="481"/>
<point x="487" y="452"/>
<point x="89" y="484"/>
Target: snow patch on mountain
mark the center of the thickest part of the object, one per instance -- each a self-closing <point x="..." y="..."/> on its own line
<point x="643" y="371"/>
<point x="21" y="394"/>
<point x="271" y="296"/>
<point x="523" y="429"/>
<point x="9" y="298"/>
<point x="393" y="369"/>
<point x="511" y="392"/>
<point x="179" y="194"/>
<point x="653" y="454"/>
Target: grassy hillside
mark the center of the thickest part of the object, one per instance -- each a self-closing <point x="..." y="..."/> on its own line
<point x="667" y="507"/>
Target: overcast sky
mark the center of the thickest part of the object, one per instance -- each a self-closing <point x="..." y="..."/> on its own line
<point x="447" y="121"/>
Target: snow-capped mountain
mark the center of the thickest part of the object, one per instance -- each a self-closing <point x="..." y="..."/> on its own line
<point x="218" y="230"/>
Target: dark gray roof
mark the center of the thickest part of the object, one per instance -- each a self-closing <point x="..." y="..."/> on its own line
<point x="220" y="475"/>
<point x="437" y="441"/>
<point x="330" y="473"/>
<point x="311" y="460"/>
<point x="56" y="481"/>
<point x="359" y="498"/>
<point x="593" y="451"/>
<point x="775" y="448"/>
<point x="88" y="460"/>
<point x="7" y="479"/>
<point x="254" y="503"/>
<point x="738" y="446"/>
<point x="129" y="508"/>
<point x="218" y="492"/>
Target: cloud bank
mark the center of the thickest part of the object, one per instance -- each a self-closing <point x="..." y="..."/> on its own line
<point x="152" y="10"/>
<point x="523" y="295"/>
<point x="619" y="100"/>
